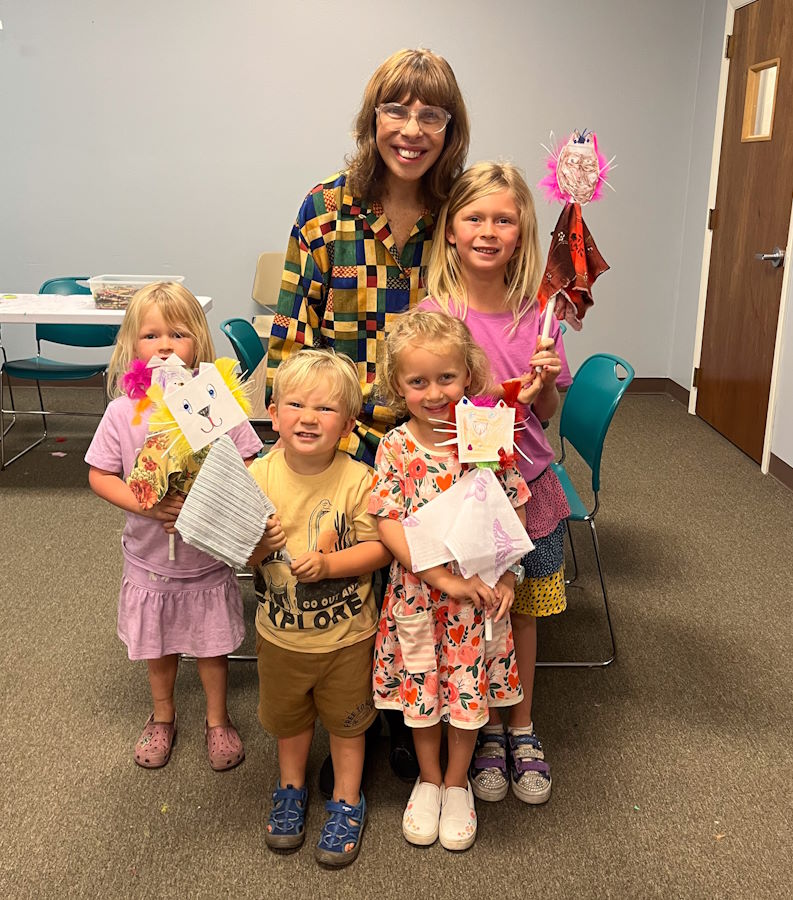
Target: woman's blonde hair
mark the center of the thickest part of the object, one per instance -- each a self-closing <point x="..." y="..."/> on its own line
<point x="407" y="76"/>
<point x="436" y="332"/>
<point x="445" y="281"/>
<point x="179" y="308"/>
<point x="332" y="370"/>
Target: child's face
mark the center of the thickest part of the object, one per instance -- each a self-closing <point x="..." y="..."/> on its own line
<point x="407" y="151"/>
<point x="429" y="380"/>
<point x="486" y="233"/>
<point x="157" y="338"/>
<point x="310" y="423"/>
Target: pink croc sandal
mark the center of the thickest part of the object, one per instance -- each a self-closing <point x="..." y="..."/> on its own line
<point x="153" y="749"/>
<point x="224" y="746"/>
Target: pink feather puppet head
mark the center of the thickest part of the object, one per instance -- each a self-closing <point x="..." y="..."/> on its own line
<point x="576" y="171"/>
<point x="136" y="380"/>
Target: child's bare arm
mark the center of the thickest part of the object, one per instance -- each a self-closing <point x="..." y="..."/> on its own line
<point x="368" y="556"/>
<point x="472" y="589"/>
<point x="392" y="534"/>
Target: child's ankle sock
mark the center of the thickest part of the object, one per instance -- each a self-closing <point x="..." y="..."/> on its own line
<point x="493" y="729"/>
<point x="524" y="729"/>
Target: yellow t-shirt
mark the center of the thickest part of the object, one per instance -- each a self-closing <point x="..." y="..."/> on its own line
<point x="325" y="512"/>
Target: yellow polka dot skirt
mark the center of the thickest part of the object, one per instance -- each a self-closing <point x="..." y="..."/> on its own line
<point x="542" y="596"/>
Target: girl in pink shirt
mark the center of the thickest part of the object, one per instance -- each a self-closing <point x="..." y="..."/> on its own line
<point x="485" y="269"/>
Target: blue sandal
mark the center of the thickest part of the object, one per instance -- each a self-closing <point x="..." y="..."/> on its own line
<point x="344" y="826"/>
<point x="286" y="827"/>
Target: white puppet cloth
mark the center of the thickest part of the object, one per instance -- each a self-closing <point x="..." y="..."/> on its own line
<point x="473" y="523"/>
<point x="225" y="513"/>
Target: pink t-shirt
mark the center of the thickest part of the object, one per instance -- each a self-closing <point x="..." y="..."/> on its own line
<point x="114" y="448"/>
<point x="509" y="356"/>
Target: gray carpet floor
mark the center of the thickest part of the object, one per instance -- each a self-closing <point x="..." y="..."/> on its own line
<point x="672" y="768"/>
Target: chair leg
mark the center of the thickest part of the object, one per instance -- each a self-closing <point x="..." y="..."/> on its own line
<point x="4" y="464"/>
<point x="588" y="664"/>
<point x="243" y="575"/>
<point x="572" y="579"/>
<point x="41" y="407"/>
<point x="4" y="429"/>
<point x="595" y="544"/>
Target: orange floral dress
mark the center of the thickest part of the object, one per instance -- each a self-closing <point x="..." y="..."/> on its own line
<point x="442" y="668"/>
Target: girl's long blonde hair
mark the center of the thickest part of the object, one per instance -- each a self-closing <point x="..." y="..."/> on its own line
<point x="406" y="76"/>
<point x="179" y="308"/>
<point x="445" y="281"/>
<point x="436" y="332"/>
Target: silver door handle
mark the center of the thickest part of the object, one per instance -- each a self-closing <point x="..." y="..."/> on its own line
<point x="776" y="257"/>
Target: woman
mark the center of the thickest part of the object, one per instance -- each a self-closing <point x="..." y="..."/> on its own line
<point x="359" y="248"/>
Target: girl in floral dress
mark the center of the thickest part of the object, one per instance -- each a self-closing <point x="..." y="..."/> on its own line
<point x="430" y="655"/>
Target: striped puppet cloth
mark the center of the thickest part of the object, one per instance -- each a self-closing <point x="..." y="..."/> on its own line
<point x="225" y="512"/>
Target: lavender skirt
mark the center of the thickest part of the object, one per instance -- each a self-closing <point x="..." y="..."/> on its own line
<point x="159" y="615"/>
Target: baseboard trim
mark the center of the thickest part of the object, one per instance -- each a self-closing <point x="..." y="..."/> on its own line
<point x="659" y="386"/>
<point x="781" y="471"/>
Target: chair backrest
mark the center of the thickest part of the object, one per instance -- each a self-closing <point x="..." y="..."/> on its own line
<point x="267" y="280"/>
<point x="246" y="343"/>
<point x="590" y="404"/>
<point x="74" y="335"/>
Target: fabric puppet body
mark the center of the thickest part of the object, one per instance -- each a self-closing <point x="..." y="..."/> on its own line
<point x="577" y="173"/>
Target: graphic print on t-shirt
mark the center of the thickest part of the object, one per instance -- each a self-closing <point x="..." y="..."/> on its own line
<point x="289" y="603"/>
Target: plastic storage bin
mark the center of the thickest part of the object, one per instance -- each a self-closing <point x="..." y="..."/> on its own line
<point x="115" y="291"/>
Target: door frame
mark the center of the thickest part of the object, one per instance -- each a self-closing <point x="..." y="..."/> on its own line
<point x="785" y="300"/>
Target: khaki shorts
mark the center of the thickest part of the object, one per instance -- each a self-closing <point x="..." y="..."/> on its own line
<point x="295" y="688"/>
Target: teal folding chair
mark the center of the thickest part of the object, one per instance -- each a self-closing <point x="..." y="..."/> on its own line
<point x="39" y="368"/>
<point x="247" y="344"/>
<point x="589" y="406"/>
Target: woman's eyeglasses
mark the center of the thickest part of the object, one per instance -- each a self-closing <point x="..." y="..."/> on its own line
<point x="431" y="119"/>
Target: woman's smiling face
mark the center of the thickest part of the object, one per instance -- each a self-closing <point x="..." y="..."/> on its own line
<point x="407" y="151"/>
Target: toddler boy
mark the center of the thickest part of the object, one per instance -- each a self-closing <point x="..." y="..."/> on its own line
<point x="317" y="616"/>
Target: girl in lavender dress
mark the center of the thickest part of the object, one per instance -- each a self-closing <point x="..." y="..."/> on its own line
<point x="166" y="607"/>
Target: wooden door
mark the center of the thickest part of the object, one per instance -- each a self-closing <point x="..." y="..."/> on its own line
<point x="752" y="215"/>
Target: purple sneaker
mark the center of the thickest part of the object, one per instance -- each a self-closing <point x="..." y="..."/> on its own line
<point x="488" y="772"/>
<point x="529" y="773"/>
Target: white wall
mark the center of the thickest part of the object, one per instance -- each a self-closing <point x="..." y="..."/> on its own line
<point x="700" y="152"/>
<point x="176" y="137"/>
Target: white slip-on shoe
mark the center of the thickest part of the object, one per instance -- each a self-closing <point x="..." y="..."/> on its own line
<point x="420" y="819"/>
<point x="457" y="827"/>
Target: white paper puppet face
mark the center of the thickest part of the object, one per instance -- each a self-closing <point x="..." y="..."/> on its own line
<point x="482" y="431"/>
<point x="204" y="408"/>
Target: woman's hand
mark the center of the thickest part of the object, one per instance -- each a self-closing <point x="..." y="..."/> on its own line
<point x="311" y="566"/>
